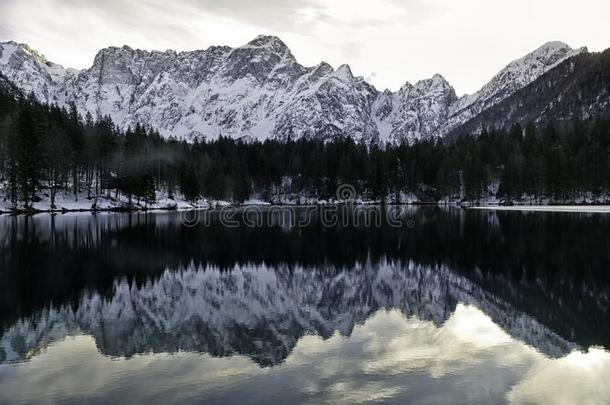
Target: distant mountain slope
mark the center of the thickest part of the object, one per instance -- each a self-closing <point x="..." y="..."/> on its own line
<point x="513" y="77"/>
<point x="260" y="91"/>
<point x="576" y="89"/>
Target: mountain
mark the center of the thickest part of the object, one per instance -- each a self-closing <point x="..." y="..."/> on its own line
<point x="509" y="80"/>
<point x="576" y="89"/>
<point x="260" y="91"/>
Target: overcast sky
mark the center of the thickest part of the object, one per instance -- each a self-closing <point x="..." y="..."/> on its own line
<point x="388" y="42"/>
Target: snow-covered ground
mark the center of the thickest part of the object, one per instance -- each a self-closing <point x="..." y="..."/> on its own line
<point x="549" y="208"/>
<point x="493" y="200"/>
<point x="68" y="202"/>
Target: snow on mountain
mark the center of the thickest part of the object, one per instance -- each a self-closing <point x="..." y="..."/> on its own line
<point x="415" y="111"/>
<point x="513" y="77"/>
<point x="259" y="90"/>
<point x="30" y="72"/>
<point x="578" y="90"/>
<point x="262" y="312"/>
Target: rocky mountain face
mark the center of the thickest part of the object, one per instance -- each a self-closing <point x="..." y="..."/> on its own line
<point x="260" y="91"/>
<point x="262" y="312"/>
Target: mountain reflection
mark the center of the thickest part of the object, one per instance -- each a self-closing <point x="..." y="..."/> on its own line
<point x="144" y="283"/>
<point x="261" y="313"/>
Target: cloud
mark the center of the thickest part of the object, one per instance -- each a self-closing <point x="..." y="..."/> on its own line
<point x="271" y="14"/>
<point x="300" y="16"/>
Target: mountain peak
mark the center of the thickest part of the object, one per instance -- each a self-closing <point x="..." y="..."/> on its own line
<point x="262" y="40"/>
<point x="323" y="68"/>
<point x="345" y="72"/>
<point x="547" y="55"/>
<point x="4" y="44"/>
<point x="435" y="82"/>
<point x="555" y="45"/>
<point x="405" y="87"/>
<point x="7" y="49"/>
<point x="552" y="47"/>
<point x="270" y="42"/>
<point x="21" y="45"/>
<point x="113" y="50"/>
<point x="438" y="77"/>
<point x="439" y="80"/>
<point x="558" y="46"/>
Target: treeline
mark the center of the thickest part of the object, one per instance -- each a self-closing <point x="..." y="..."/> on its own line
<point x="45" y="149"/>
<point x="561" y="163"/>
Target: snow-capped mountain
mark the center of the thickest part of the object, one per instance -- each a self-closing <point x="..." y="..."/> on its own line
<point x="515" y="76"/>
<point x="260" y="91"/>
<point x="578" y="90"/>
<point x="262" y="312"/>
<point x="415" y="111"/>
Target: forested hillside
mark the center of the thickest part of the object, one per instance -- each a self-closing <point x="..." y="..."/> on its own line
<point x="45" y="150"/>
<point x="577" y="89"/>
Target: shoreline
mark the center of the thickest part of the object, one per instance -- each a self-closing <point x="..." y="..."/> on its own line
<point x="583" y="208"/>
<point x="574" y="208"/>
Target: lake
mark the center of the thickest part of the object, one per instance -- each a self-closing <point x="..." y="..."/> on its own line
<point x="425" y="305"/>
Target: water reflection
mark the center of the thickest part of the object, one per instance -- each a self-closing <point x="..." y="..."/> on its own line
<point x="390" y="358"/>
<point x="262" y="313"/>
<point x="466" y="307"/>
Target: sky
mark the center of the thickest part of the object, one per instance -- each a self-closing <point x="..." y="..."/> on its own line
<point x="389" y="42"/>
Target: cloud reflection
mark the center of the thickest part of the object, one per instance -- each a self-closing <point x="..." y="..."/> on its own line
<point x="388" y="358"/>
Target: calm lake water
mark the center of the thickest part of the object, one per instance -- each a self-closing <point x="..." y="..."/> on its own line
<point x="450" y="307"/>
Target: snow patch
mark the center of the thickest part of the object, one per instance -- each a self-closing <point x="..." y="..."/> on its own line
<point x="6" y="51"/>
<point x="549" y="208"/>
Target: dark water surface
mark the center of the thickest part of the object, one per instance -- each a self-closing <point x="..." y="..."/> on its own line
<point x="451" y="307"/>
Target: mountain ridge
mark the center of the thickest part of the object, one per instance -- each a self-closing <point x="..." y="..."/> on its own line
<point x="578" y="88"/>
<point x="260" y="91"/>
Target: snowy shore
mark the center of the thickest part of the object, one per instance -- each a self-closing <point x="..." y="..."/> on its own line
<point x="104" y="203"/>
<point x="68" y="202"/>
<point x="85" y="203"/>
<point x="603" y="209"/>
